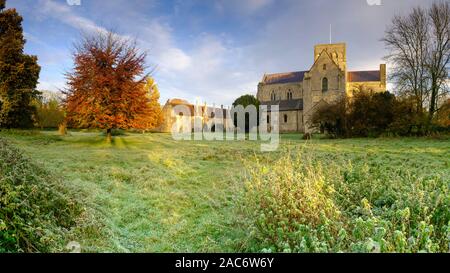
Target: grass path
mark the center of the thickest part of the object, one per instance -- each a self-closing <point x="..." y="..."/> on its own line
<point x="153" y="194"/>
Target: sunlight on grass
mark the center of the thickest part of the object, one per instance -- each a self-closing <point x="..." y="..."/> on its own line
<point x="149" y="193"/>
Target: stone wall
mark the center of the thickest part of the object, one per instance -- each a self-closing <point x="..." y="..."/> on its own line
<point x="293" y="123"/>
<point x="280" y="90"/>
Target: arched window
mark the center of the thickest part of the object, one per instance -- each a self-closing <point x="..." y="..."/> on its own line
<point x="285" y="118"/>
<point x="324" y="84"/>
<point x="272" y="96"/>
<point x="324" y="67"/>
<point x="213" y="115"/>
<point x="289" y="95"/>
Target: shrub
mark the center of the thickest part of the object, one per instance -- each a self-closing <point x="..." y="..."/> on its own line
<point x="332" y="118"/>
<point x="369" y="114"/>
<point x="292" y="207"/>
<point x="35" y="210"/>
<point x="295" y="205"/>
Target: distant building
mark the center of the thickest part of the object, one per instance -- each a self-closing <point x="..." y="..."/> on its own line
<point x="298" y="94"/>
<point x="204" y="113"/>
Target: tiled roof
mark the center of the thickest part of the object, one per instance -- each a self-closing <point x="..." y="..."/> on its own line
<point x="364" y="76"/>
<point x="285" y="105"/>
<point x="289" y="77"/>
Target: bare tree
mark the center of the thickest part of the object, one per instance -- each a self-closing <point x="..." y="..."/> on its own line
<point x="407" y="39"/>
<point x="419" y="51"/>
<point x="439" y="55"/>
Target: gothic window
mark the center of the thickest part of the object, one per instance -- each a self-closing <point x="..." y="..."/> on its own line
<point x="289" y="95"/>
<point x="324" y="67"/>
<point x="324" y="84"/>
<point x="285" y="118"/>
<point x="273" y="96"/>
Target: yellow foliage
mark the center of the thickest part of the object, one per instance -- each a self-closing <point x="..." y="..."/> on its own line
<point x="154" y="117"/>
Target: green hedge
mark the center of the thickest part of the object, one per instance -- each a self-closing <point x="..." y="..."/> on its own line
<point x="35" y="209"/>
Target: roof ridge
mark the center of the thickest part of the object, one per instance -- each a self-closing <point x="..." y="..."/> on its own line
<point x="279" y="73"/>
<point x="363" y="71"/>
<point x="284" y="77"/>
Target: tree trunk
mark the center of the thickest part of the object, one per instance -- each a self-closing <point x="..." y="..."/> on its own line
<point x="109" y="134"/>
<point x="433" y="106"/>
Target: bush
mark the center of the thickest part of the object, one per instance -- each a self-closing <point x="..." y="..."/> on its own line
<point x="293" y="211"/>
<point x="35" y="210"/>
<point x="369" y="114"/>
<point x="332" y="118"/>
<point x="295" y="205"/>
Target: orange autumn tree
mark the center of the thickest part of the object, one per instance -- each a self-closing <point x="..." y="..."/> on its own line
<point x="153" y="117"/>
<point x="107" y="87"/>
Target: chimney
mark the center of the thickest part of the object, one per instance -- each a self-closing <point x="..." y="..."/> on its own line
<point x="383" y="74"/>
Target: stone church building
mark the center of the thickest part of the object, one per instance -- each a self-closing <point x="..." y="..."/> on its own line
<point x="299" y="93"/>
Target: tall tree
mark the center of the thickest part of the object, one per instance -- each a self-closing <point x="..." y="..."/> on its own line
<point x="107" y="85"/>
<point x="407" y="41"/>
<point x="419" y="50"/>
<point x="19" y="73"/>
<point x="439" y="58"/>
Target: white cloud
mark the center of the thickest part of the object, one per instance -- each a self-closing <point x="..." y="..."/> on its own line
<point x="64" y="13"/>
<point x="174" y="59"/>
<point x="214" y="73"/>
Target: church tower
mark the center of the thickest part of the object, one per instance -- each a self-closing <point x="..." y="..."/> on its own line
<point x="338" y="52"/>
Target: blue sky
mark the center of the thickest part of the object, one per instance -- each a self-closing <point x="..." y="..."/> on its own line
<point x="211" y="50"/>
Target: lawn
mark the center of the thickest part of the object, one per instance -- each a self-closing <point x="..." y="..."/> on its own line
<point x="149" y="193"/>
